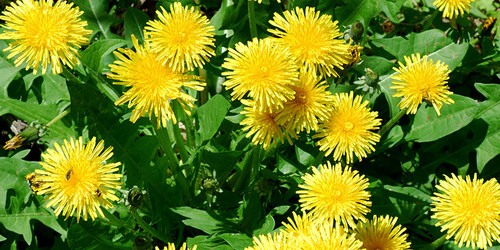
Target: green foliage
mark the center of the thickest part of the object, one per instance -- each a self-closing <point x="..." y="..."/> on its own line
<point x="203" y="181"/>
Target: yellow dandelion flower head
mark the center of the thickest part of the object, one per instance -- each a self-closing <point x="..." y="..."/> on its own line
<point x="44" y="32"/>
<point x="312" y="103"/>
<point x="335" y="194"/>
<point x="77" y="178"/>
<point x="305" y="232"/>
<point x="153" y="84"/>
<point x="275" y="241"/>
<point x="348" y="130"/>
<point x="263" y="127"/>
<point x="452" y="8"/>
<point x="312" y="39"/>
<point x="171" y="246"/>
<point x="264" y="70"/>
<point x="381" y="233"/>
<point x="469" y="210"/>
<point x="419" y="80"/>
<point x="183" y="37"/>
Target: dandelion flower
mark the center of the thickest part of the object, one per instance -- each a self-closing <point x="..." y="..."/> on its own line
<point x="304" y="232"/>
<point x="260" y="1"/>
<point x="355" y="55"/>
<point x="312" y="103"/>
<point x="469" y="210"/>
<point x="171" y="246"/>
<point x="312" y="39"/>
<point x="262" y="125"/>
<point x="276" y="241"/>
<point x="153" y="84"/>
<point x="182" y="38"/>
<point x="347" y="131"/>
<point x="44" y="32"/>
<point x="335" y="194"/>
<point x="262" y="69"/>
<point x="381" y="233"/>
<point x="453" y="7"/>
<point x="420" y="80"/>
<point x="77" y="178"/>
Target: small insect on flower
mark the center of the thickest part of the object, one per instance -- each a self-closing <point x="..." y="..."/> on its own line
<point x="68" y="174"/>
<point x="98" y="192"/>
<point x="34" y="182"/>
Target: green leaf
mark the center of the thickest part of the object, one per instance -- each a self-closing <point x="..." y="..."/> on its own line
<point x="200" y="219"/>
<point x="489" y="110"/>
<point x="31" y="112"/>
<point x="96" y="235"/>
<point x="211" y="115"/>
<point x="17" y="204"/>
<point x="451" y="54"/>
<point x="94" y="55"/>
<point x="237" y="241"/>
<point x="391" y="9"/>
<point x="357" y="10"/>
<point x="95" y="12"/>
<point x="134" y="23"/>
<point x="423" y="43"/>
<point x="428" y="126"/>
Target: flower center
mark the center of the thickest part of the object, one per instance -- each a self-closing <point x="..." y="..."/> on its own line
<point x="300" y="97"/>
<point x="348" y="126"/>
<point x="45" y="30"/>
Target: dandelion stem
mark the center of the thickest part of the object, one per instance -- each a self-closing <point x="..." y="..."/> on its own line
<point x="437" y="243"/>
<point x="247" y="167"/>
<point x="147" y="227"/>
<point x="391" y="122"/>
<point x="431" y="19"/>
<point x="58" y="117"/>
<point x="166" y="144"/>
<point x="251" y="18"/>
<point x="179" y="141"/>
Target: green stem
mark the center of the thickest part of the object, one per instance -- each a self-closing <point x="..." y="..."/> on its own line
<point x="251" y="160"/>
<point x="147" y="227"/>
<point x="431" y="19"/>
<point x="437" y="243"/>
<point x="58" y="117"/>
<point x="251" y="18"/>
<point x="104" y="86"/>
<point x="391" y="122"/>
<point x="166" y="144"/>
<point x="69" y="76"/>
<point x="111" y="219"/>
<point x="179" y="141"/>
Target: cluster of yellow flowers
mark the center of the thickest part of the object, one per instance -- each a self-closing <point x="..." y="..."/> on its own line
<point x="281" y="82"/>
<point x="331" y="200"/>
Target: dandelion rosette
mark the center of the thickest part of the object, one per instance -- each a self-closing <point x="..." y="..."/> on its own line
<point x="312" y="39"/>
<point x="333" y="193"/>
<point x="469" y="210"/>
<point x="183" y="38"/>
<point x="262" y="69"/>
<point x="311" y="104"/>
<point x="452" y="8"/>
<point x="381" y="233"/>
<point x="44" y="33"/>
<point x="419" y="80"/>
<point x="304" y="232"/>
<point x="153" y="84"/>
<point x="348" y="129"/>
<point x="262" y="125"/>
<point x="77" y="178"/>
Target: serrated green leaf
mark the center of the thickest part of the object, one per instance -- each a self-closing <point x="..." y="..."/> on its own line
<point x="134" y="23"/>
<point x="357" y="10"/>
<point x="95" y="12"/>
<point x="489" y="112"/>
<point x="200" y="219"/>
<point x="211" y="115"/>
<point x="96" y="235"/>
<point x="237" y="241"/>
<point x="428" y="126"/>
<point x="391" y="9"/>
<point x="94" y="55"/>
<point x="17" y="209"/>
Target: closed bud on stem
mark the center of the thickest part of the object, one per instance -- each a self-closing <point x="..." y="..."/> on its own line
<point x="356" y="32"/>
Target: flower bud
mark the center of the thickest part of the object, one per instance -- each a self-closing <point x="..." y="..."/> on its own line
<point x="356" y="32"/>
